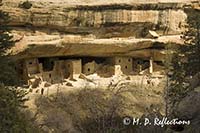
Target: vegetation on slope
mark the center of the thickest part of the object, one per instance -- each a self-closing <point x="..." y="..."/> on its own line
<point x="12" y="120"/>
<point x="186" y="75"/>
<point x="98" y="110"/>
<point x="186" y="61"/>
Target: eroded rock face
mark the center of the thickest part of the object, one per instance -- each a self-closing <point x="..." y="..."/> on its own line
<point x="70" y="45"/>
<point x="65" y="16"/>
<point x="95" y="28"/>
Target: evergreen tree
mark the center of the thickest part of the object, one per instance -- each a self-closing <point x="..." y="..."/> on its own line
<point x="186" y="61"/>
<point x="11" y="100"/>
<point x="8" y="74"/>
<point x="5" y="38"/>
<point x="12" y="120"/>
<point x="192" y="39"/>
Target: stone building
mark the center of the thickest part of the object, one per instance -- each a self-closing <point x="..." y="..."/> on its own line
<point x="90" y="68"/>
<point x="32" y="67"/>
<point x="73" y="68"/>
<point x="122" y="65"/>
<point x="55" y="70"/>
<point x="51" y="70"/>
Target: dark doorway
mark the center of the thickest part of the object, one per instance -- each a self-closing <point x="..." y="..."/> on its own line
<point x="47" y="63"/>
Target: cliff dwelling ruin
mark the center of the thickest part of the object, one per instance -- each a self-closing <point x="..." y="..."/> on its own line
<point x="68" y="39"/>
<point x="55" y="70"/>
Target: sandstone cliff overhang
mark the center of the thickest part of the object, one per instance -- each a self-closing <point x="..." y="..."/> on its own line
<point x="71" y="45"/>
<point x="48" y="28"/>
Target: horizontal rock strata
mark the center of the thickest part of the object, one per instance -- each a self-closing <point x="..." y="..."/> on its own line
<point x="48" y="28"/>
